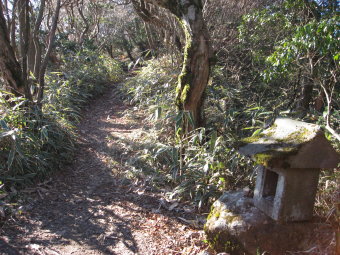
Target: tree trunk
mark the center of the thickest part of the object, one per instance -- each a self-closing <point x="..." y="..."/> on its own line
<point x="5" y="8"/>
<point x="36" y="42"/>
<point x="127" y="47"/>
<point x="196" y="64"/>
<point x="31" y="55"/>
<point x="306" y="94"/>
<point x="13" y="25"/>
<point x="197" y="52"/>
<point x="24" y="31"/>
<point x="87" y="26"/>
<point x="10" y="67"/>
<point x="151" y="41"/>
<point x="51" y="38"/>
<point x="109" y="50"/>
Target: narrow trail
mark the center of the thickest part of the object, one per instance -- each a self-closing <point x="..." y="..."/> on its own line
<point x="88" y="209"/>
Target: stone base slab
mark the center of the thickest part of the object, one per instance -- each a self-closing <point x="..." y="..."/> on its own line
<point x="236" y="226"/>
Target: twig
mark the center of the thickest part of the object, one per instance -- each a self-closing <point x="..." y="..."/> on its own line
<point x="329" y="100"/>
<point x="332" y="131"/>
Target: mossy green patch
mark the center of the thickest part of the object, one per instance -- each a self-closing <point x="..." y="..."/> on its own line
<point x="266" y="158"/>
<point x="231" y="218"/>
<point x="184" y="93"/>
<point x="275" y="148"/>
<point x="222" y="241"/>
<point x="298" y="137"/>
<point x="263" y="158"/>
<point x="252" y="139"/>
<point x="226" y="215"/>
<point x="212" y="213"/>
<point x="184" y="79"/>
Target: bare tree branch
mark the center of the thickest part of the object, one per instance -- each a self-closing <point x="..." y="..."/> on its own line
<point x="51" y="39"/>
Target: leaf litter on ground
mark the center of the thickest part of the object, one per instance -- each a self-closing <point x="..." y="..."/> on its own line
<point x="102" y="205"/>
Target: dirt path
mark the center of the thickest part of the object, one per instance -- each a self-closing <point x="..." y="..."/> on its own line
<point x="87" y="209"/>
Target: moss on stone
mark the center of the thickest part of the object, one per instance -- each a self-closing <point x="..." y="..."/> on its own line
<point x="252" y="139"/>
<point x="222" y="241"/>
<point x="231" y="246"/>
<point x="213" y="213"/>
<point x="231" y="218"/>
<point x="298" y="137"/>
<point x="216" y="213"/>
<point x="277" y="148"/>
<point x="263" y="158"/>
<point x="267" y="157"/>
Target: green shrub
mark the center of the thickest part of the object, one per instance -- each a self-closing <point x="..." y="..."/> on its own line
<point x="30" y="142"/>
<point x="201" y="165"/>
<point x="35" y="143"/>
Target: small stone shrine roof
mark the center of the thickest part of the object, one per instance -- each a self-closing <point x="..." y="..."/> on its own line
<point x="291" y="144"/>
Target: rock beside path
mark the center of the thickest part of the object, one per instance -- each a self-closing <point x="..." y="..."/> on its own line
<point x="236" y="226"/>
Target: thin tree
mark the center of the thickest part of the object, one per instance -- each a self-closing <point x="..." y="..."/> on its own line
<point x="16" y="73"/>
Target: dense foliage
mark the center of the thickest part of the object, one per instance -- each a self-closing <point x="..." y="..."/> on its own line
<point x="285" y="63"/>
<point x="271" y="58"/>
<point x="34" y="143"/>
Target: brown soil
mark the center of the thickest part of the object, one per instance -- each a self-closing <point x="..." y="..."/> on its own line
<point x="90" y="208"/>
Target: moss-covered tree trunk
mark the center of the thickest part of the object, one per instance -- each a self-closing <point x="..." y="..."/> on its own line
<point x="196" y="61"/>
<point x="196" y="66"/>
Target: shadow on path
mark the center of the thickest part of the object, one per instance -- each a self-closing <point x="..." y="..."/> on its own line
<point x="88" y="210"/>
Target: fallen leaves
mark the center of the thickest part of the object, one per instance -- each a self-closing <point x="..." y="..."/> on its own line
<point x="89" y="210"/>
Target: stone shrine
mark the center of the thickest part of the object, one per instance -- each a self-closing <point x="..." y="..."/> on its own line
<point x="291" y="154"/>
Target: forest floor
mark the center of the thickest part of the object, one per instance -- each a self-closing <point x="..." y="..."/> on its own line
<point x="90" y="207"/>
